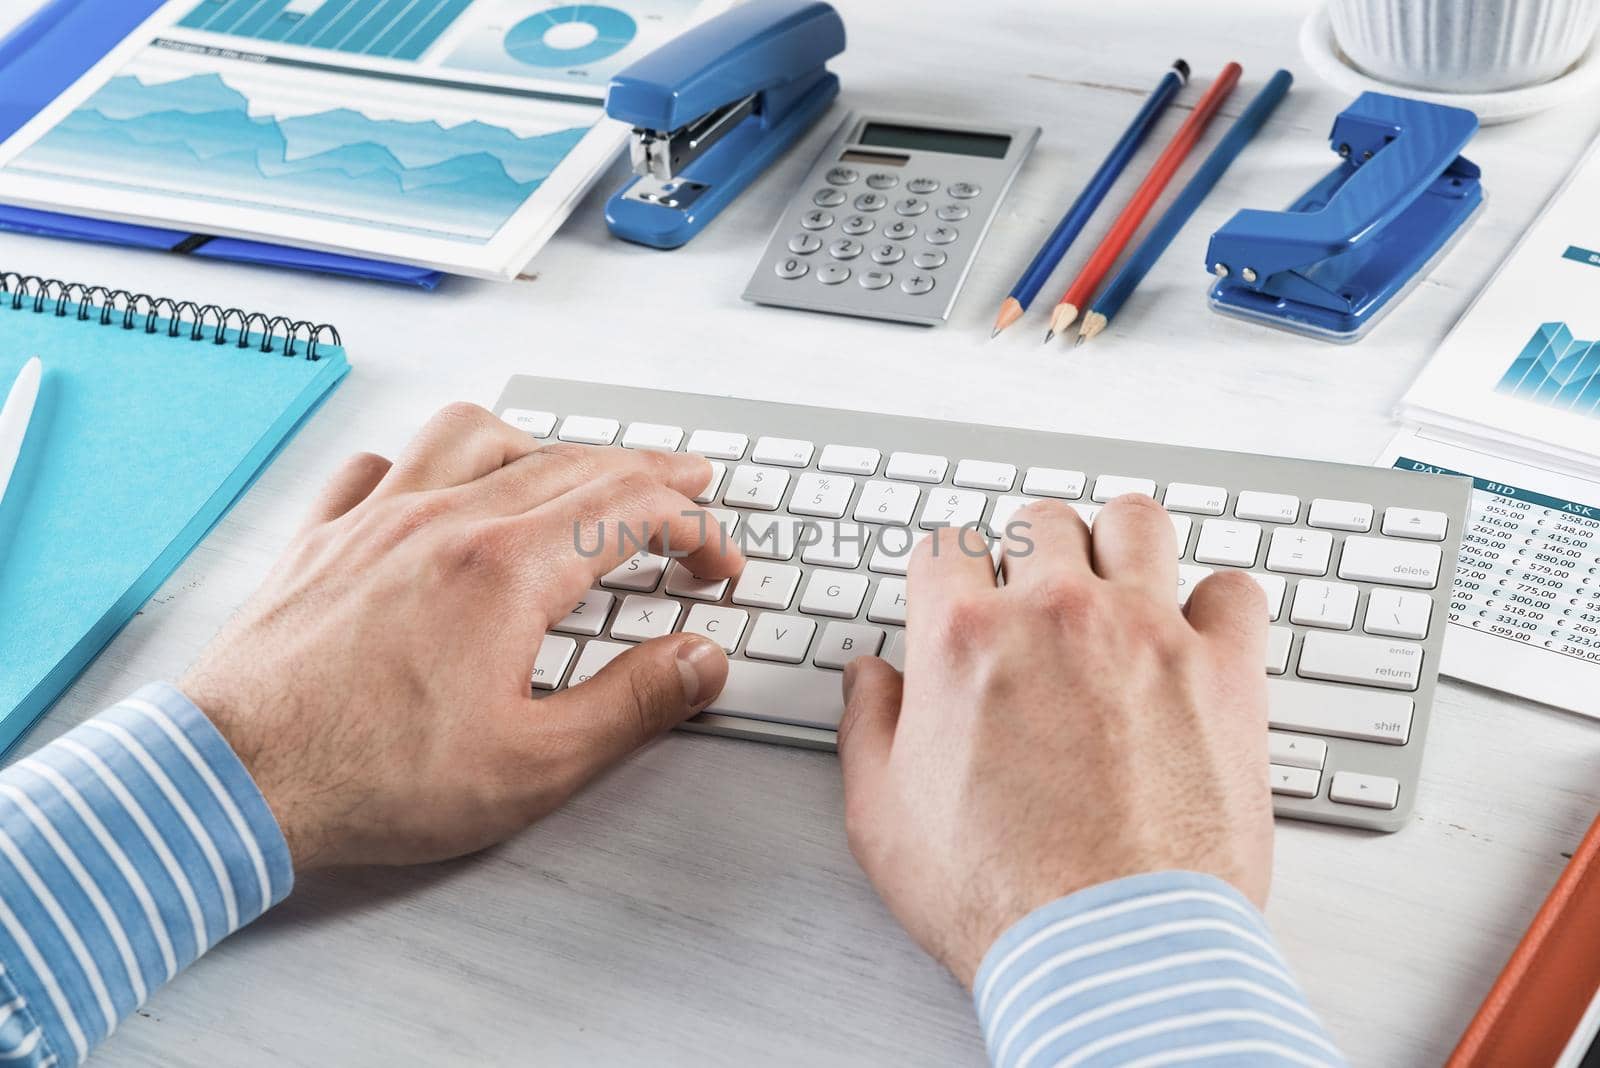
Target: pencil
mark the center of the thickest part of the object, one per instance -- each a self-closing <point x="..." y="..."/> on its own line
<point x="1110" y="301"/>
<point x="1072" y="223"/>
<point x="1144" y="199"/>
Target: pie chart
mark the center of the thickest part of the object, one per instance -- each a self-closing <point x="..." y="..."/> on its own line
<point x="570" y="36"/>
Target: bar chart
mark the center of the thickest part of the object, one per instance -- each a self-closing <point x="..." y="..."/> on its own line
<point x="393" y="29"/>
<point x="1556" y="370"/>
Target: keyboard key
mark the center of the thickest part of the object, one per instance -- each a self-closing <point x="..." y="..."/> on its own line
<point x="804" y="696"/>
<point x="888" y="602"/>
<point x="1188" y="497"/>
<point x="1181" y="525"/>
<point x="1053" y="482"/>
<point x="985" y="475"/>
<point x="1340" y="515"/>
<point x="717" y="444"/>
<point x="1266" y="507"/>
<point x="1222" y="541"/>
<point x="834" y="544"/>
<point x="916" y="467"/>
<point x="843" y="642"/>
<point x="588" y="430"/>
<point x="725" y="518"/>
<point x="719" y="471"/>
<point x="539" y="424"/>
<point x="1294" y="782"/>
<point x="589" y="617"/>
<point x="595" y="656"/>
<point x="770" y="537"/>
<point x="849" y="460"/>
<point x="642" y="618"/>
<point x="1300" y="552"/>
<point x="1398" y="614"/>
<point x="1005" y="509"/>
<point x="1087" y="512"/>
<point x="892" y="554"/>
<point x="1110" y="487"/>
<point x="785" y="639"/>
<point x="764" y="585"/>
<point x="639" y="572"/>
<point x="1371" y="791"/>
<point x="1382" y="662"/>
<point x="555" y="653"/>
<point x="1414" y="523"/>
<point x="681" y="582"/>
<point x="821" y="495"/>
<point x="1339" y="711"/>
<point x="834" y="593"/>
<point x="1396" y="563"/>
<point x="784" y="452"/>
<point x="656" y="436"/>
<point x="952" y="508"/>
<point x="1295" y="751"/>
<point x="1189" y="577"/>
<point x="886" y="502"/>
<point x="756" y="487"/>
<point x="722" y="625"/>
<point x="896" y="653"/>
<point x="1278" y="642"/>
<point x="1273" y="586"/>
<point x="1331" y="605"/>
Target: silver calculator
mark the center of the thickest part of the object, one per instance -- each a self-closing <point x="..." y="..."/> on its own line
<point x="890" y="218"/>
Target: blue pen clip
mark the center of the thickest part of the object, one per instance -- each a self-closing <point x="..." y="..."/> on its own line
<point x="713" y="107"/>
<point x="1355" y="242"/>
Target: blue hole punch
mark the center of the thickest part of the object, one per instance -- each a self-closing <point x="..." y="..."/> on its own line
<point x="713" y="107"/>
<point x="1352" y="246"/>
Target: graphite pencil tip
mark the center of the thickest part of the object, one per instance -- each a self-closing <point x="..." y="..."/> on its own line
<point x="1049" y="336"/>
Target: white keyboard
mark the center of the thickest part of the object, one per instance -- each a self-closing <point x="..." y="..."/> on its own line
<point x="1356" y="563"/>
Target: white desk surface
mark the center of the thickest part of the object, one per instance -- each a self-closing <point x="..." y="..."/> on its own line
<point x="699" y="906"/>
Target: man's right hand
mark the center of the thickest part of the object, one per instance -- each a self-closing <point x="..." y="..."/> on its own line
<point x="1070" y="728"/>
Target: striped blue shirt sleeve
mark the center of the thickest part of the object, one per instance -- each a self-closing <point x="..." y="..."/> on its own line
<point x="1168" y="968"/>
<point x="128" y="847"/>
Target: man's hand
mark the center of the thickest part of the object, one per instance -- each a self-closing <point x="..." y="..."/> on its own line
<point x="378" y="685"/>
<point x="1067" y="729"/>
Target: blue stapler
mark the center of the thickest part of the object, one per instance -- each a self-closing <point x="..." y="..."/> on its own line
<point x="713" y="107"/>
<point x="1352" y="246"/>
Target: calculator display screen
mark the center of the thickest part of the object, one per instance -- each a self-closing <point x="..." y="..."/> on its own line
<point x="928" y="139"/>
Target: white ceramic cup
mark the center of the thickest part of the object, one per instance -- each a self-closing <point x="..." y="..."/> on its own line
<point x="1464" y="46"/>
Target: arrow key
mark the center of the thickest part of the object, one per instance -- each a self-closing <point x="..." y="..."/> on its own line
<point x="1295" y="782"/>
<point x="1369" y="791"/>
<point x="1296" y="751"/>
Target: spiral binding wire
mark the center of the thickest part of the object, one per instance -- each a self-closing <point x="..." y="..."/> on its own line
<point x="201" y="322"/>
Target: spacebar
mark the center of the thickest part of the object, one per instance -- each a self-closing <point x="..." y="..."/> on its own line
<point x="808" y="697"/>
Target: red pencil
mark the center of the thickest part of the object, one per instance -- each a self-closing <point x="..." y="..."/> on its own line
<point x="1149" y="191"/>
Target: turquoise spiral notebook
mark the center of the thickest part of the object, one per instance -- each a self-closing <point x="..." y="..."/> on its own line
<point x="153" y="417"/>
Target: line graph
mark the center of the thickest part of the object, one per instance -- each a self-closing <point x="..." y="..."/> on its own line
<point x="1556" y="370"/>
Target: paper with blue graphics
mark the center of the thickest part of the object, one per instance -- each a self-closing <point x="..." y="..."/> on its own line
<point x="452" y="134"/>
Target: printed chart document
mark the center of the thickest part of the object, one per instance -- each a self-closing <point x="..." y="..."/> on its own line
<point x="451" y="134"/>
<point x="1512" y="399"/>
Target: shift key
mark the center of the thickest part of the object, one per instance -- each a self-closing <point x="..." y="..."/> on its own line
<point x="1393" y="665"/>
<point x="1339" y="711"/>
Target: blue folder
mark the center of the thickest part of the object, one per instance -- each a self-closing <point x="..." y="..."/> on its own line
<point x="53" y="49"/>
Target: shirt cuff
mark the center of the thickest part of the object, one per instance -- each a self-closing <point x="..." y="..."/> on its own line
<point x="128" y="847"/>
<point x="1171" y="966"/>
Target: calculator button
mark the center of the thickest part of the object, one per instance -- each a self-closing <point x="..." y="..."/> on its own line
<point x="900" y="230"/>
<point x="888" y="254"/>
<point x="929" y="259"/>
<point x="923" y="185"/>
<point x="833" y="274"/>
<point x="845" y="249"/>
<point x="871" y="202"/>
<point x="842" y="176"/>
<point x="816" y="220"/>
<point x="883" y="180"/>
<point x="917" y="284"/>
<point x="804" y="244"/>
<point x="911" y="206"/>
<point x="858" y="224"/>
<point x="791" y="268"/>
<point x="943" y="235"/>
<point x="876" y="279"/>
<point x="828" y="198"/>
<point x="965" y="190"/>
<point x="953" y="212"/>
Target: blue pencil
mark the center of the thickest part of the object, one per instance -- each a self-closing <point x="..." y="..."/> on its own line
<point x="1110" y="300"/>
<point x="1073" y="222"/>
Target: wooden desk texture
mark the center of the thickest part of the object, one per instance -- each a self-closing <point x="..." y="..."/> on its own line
<point x="699" y="905"/>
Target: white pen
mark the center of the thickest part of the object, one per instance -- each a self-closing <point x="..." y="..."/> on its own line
<point x="14" y="418"/>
